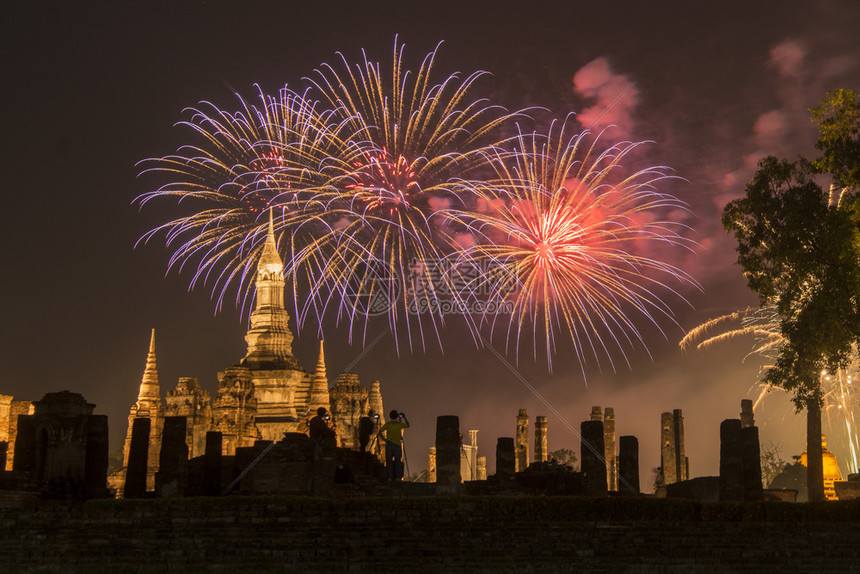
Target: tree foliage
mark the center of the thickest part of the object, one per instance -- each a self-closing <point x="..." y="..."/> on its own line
<point x="564" y="456"/>
<point x="772" y="464"/>
<point x="838" y="119"/>
<point x="799" y="247"/>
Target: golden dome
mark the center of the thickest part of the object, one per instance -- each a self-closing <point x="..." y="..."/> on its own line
<point x="831" y="468"/>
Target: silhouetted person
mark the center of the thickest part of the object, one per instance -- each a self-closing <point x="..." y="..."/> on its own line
<point x="318" y="426"/>
<point x="393" y="431"/>
<point x="366" y="425"/>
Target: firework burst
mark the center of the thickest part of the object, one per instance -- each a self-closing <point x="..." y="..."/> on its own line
<point x="422" y="140"/>
<point x="276" y="153"/>
<point x="384" y="186"/>
<point x="561" y="232"/>
<point x="357" y="189"/>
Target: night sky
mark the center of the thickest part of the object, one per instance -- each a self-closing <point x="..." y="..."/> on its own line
<point x="90" y="90"/>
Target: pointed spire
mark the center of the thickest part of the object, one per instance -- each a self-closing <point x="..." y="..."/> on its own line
<point x="320" y="371"/>
<point x="149" y="389"/>
<point x="270" y="261"/>
<point x="269" y="339"/>
<point x="319" y="395"/>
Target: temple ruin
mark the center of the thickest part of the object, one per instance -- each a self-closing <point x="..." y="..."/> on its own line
<point x="263" y="397"/>
<point x="674" y="464"/>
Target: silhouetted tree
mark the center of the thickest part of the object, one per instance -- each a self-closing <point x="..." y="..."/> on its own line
<point x="799" y="247"/>
<point x="564" y="456"/>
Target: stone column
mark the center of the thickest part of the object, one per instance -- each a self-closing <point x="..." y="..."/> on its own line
<point x="212" y="464"/>
<point x="747" y="417"/>
<point x="522" y="440"/>
<point x="97" y="457"/>
<point x="135" y="472"/>
<point x="751" y="455"/>
<point x="628" y="464"/>
<point x="448" y="451"/>
<point x="431" y="465"/>
<point x="324" y="465"/>
<point x="541" y="454"/>
<point x="731" y="461"/>
<point x="680" y="451"/>
<point x="596" y="414"/>
<point x="482" y="468"/>
<point x="172" y="476"/>
<point x="25" y="452"/>
<point x="609" y="448"/>
<point x="593" y="465"/>
<point x="668" y="454"/>
<point x="242" y="460"/>
<point x="506" y="458"/>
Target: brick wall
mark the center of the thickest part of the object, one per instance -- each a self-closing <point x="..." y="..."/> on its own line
<point x="432" y="534"/>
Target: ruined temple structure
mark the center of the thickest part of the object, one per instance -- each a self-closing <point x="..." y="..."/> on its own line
<point x="190" y="400"/>
<point x="148" y="406"/>
<point x="61" y="448"/>
<point x="607" y="416"/>
<point x="264" y="396"/>
<point x="472" y="466"/>
<point x="9" y="411"/>
<point x="522" y="441"/>
<point x="469" y="457"/>
<point x="674" y="464"/>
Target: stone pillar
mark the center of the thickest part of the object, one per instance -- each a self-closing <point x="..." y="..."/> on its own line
<point x="609" y="448"/>
<point x="242" y="460"/>
<point x="97" y="457"/>
<point x="541" y="453"/>
<point x="680" y="451"/>
<point x="138" y="450"/>
<point x="448" y="451"/>
<point x="431" y="465"/>
<point x="506" y="458"/>
<point x="596" y="414"/>
<point x="212" y="464"/>
<point x="747" y="417"/>
<point x="482" y="468"/>
<point x="731" y="461"/>
<point x="324" y="465"/>
<point x="751" y="455"/>
<point x="522" y="440"/>
<point x="628" y="464"/>
<point x="25" y="451"/>
<point x="667" y="449"/>
<point x="4" y="448"/>
<point x="172" y="476"/>
<point x="593" y="465"/>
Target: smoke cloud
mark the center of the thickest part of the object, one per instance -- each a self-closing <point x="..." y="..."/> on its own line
<point x="615" y="98"/>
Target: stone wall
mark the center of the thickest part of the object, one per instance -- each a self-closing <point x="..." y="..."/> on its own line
<point x="450" y="534"/>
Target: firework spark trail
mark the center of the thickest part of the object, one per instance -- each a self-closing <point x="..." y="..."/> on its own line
<point x="276" y="153"/>
<point x="563" y="243"/>
<point x="763" y="324"/>
<point x="357" y="189"/>
<point x="379" y="189"/>
<point x="422" y="142"/>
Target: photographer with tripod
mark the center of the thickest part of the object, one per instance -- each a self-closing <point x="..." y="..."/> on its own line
<point x="318" y="427"/>
<point x="393" y="435"/>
